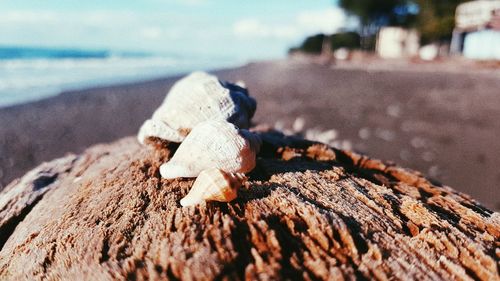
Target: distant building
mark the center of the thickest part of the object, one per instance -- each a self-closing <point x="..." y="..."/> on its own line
<point x="397" y="42"/>
<point x="477" y="30"/>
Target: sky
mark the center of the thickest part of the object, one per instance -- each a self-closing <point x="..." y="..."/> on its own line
<point x="219" y="28"/>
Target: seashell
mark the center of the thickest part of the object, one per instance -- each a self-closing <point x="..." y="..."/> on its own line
<point x="196" y="98"/>
<point x="213" y="144"/>
<point x="214" y="185"/>
<point x="155" y="128"/>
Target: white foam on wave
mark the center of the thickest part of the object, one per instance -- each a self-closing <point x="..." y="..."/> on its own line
<point x="23" y="80"/>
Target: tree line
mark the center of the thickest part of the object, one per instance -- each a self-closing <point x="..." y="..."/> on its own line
<point x="433" y="19"/>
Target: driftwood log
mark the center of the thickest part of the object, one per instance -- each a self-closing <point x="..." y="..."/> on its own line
<point x="309" y="212"/>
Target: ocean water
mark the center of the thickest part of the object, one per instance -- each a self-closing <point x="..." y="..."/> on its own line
<point x="28" y="74"/>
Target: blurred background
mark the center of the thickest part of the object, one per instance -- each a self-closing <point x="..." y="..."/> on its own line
<point x="49" y="46"/>
<point x="415" y="82"/>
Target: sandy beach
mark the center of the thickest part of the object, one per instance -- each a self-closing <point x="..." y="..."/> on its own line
<point x="442" y="123"/>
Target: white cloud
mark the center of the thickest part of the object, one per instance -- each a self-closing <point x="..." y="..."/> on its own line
<point x="325" y="21"/>
<point x="151" y="32"/>
<point x="190" y="3"/>
<point x="194" y="2"/>
<point x="250" y="27"/>
<point x="93" y="18"/>
<point x="99" y="29"/>
<point x="15" y="17"/>
<point x="167" y="30"/>
<point x="255" y="28"/>
<point x="305" y="23"/>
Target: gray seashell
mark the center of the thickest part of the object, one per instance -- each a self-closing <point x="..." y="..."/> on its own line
<point x="196" y="98"/>
<point x="213" y="144"/>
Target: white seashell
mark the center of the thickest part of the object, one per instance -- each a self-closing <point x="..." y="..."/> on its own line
<point x="213" y="144"/>
<point x="214" y="185"/>
<point x="196" y="98"/>
<point x="158" y="129"/>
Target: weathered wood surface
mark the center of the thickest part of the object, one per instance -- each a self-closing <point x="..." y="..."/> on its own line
<point x="309" y="212"/>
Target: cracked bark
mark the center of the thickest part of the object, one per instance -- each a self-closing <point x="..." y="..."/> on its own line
<point x="309" y="212"/>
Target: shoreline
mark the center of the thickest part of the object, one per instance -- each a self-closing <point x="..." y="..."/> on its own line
<point x="441" y="123"/>
<point x="96" y="86"/>
<point x="461" y="66"/>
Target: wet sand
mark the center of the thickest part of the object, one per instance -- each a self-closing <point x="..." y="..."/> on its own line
<point x="444" y="123"/>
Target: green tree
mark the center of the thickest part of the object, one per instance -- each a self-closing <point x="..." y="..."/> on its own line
<point x="436" y="19"/>
<point x="349" y="40"/>
<point x="311" y="45"/>
<point x="373" y="14"/>
<point x="314" y="44"/>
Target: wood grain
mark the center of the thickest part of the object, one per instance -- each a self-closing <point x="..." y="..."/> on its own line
<point x="309" y="212"/>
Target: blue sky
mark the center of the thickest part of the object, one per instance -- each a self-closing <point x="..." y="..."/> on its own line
<point x="243" y="29"/>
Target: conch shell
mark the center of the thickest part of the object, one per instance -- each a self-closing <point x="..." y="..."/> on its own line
<point x="214" y="185"/>
<point x="213" y="144"/>
<point x="196" y="98"/>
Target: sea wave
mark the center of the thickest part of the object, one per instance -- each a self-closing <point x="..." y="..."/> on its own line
<point x="109" y="62"/>
<point x="8" y="52"/>
<point x="23" y="79"/>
